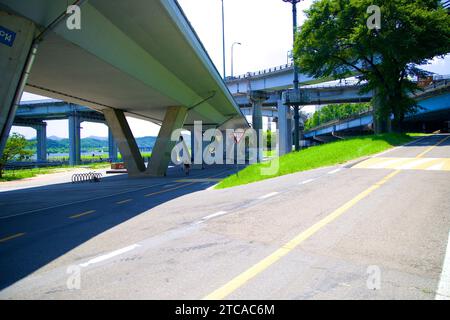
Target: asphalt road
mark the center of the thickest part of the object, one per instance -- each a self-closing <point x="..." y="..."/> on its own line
<point x="373" y="229"/>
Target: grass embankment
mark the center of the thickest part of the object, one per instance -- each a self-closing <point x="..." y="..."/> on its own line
<point x="319" y="156"/>
<point x="10" y="175"/>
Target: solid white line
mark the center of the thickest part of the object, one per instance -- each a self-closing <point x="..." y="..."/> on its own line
<point x="307" y="181"/>
<point x="335" y="171"/>
<point x="268" y="195"/>
<point x="110" y="255"/>
<point x="443" y="291"/>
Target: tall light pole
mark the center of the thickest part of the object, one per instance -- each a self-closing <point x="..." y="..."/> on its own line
<point x="296" y="87"/>
<point x="223" y="40"/>
<point x="232" y="57"/>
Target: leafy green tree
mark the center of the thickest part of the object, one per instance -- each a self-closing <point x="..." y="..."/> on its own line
<point x="335" y="112"/>
<point x="336" y="41"/>
<point x="15" y="149"/>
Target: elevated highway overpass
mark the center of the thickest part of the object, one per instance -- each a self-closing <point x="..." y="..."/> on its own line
<point x="273" y="87"/>
<point x="139" y="58"/>
<point x="35" y="113"/>
<point x="434" y="110"/>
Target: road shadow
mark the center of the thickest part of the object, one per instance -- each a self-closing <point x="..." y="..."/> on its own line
<point x="51" y="217"/>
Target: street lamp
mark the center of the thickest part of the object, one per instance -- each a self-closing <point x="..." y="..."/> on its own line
<point x="232" y="56"/>
<point x="289" y="56"/>
<point x="223" y="40"/>
<point x="296" y="87"/>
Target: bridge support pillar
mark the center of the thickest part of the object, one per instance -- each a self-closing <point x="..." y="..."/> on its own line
<point x="284" y="128"/>
<point x="112" y="146"/>
<point x="257" y="98"/>
<point x="14" y="51"/>
<point x="74" y="140"/>
<point x="118" y="125"/>
<point x="159" y="161"/>
<point x="41" y="142"/>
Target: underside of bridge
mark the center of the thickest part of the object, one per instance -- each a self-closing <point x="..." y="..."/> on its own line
<point x="139" y="58"/>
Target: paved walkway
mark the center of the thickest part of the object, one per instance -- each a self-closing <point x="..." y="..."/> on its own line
<point x="369" y="231"/>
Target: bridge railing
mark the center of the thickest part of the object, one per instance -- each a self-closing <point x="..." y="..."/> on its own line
<point x="260" y="72"/>
<point x="339" y="84"/>
<point x="438" y="77"/>
<point x="342" y="120"/>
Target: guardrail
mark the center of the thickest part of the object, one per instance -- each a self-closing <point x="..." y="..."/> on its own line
<point x="340" y="121"/>
<point x="339" y="84"/>
<point x="261" y="72"/>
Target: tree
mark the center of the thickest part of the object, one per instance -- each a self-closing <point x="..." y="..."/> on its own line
<point x="335" y="112"/>
<point x="336" y="41"/>
<point x="16" y="148"/>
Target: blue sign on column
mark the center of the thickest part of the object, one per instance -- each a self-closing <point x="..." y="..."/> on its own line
<point x="7" y="36"/>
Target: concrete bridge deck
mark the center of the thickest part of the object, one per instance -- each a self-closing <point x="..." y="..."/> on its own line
<point x="139" y="58"/>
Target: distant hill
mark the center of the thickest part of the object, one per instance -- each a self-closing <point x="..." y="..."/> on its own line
<point x="98" y="138"/>
<point x="54" y="138"/>
<point x="90" y="144"/>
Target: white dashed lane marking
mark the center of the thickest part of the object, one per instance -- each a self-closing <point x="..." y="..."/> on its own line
<point x="269" y="195"/>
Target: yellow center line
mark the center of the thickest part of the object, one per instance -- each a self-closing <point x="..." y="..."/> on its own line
<point x="124" y="201"/>
<point x="432" y="147"/>
<point x="243" y="278"/>
<point x="256" y="269"/>
<point x="82" y="214"/>
<point x="12" y="237"/>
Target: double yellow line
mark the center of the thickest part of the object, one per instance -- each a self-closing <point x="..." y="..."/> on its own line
<point x="243" y="278"/>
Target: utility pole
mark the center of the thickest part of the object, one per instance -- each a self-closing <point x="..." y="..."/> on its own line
<point x="296" y="86"/>
<point x="232" y="57"/>
<point x="223" y="40"/>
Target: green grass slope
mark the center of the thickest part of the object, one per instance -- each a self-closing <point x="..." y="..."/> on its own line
<point x="319" y="156"/>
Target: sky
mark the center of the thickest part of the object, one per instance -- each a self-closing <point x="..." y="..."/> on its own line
<point x="263" y="27"/>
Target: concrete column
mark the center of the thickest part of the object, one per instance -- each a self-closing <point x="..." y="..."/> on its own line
<point x="126" y="143"/>
<point x="257" y="98"/>
<point x="173" y="120"/>
<point x="16" y="38"/>
<point x="258" y="125"/>
<point x="112" y="146"/>
<point x="41" y="142"/>
<point x="290" y="130"/>
<point x="285" y="133"/>
<point x="74" y="140"/>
